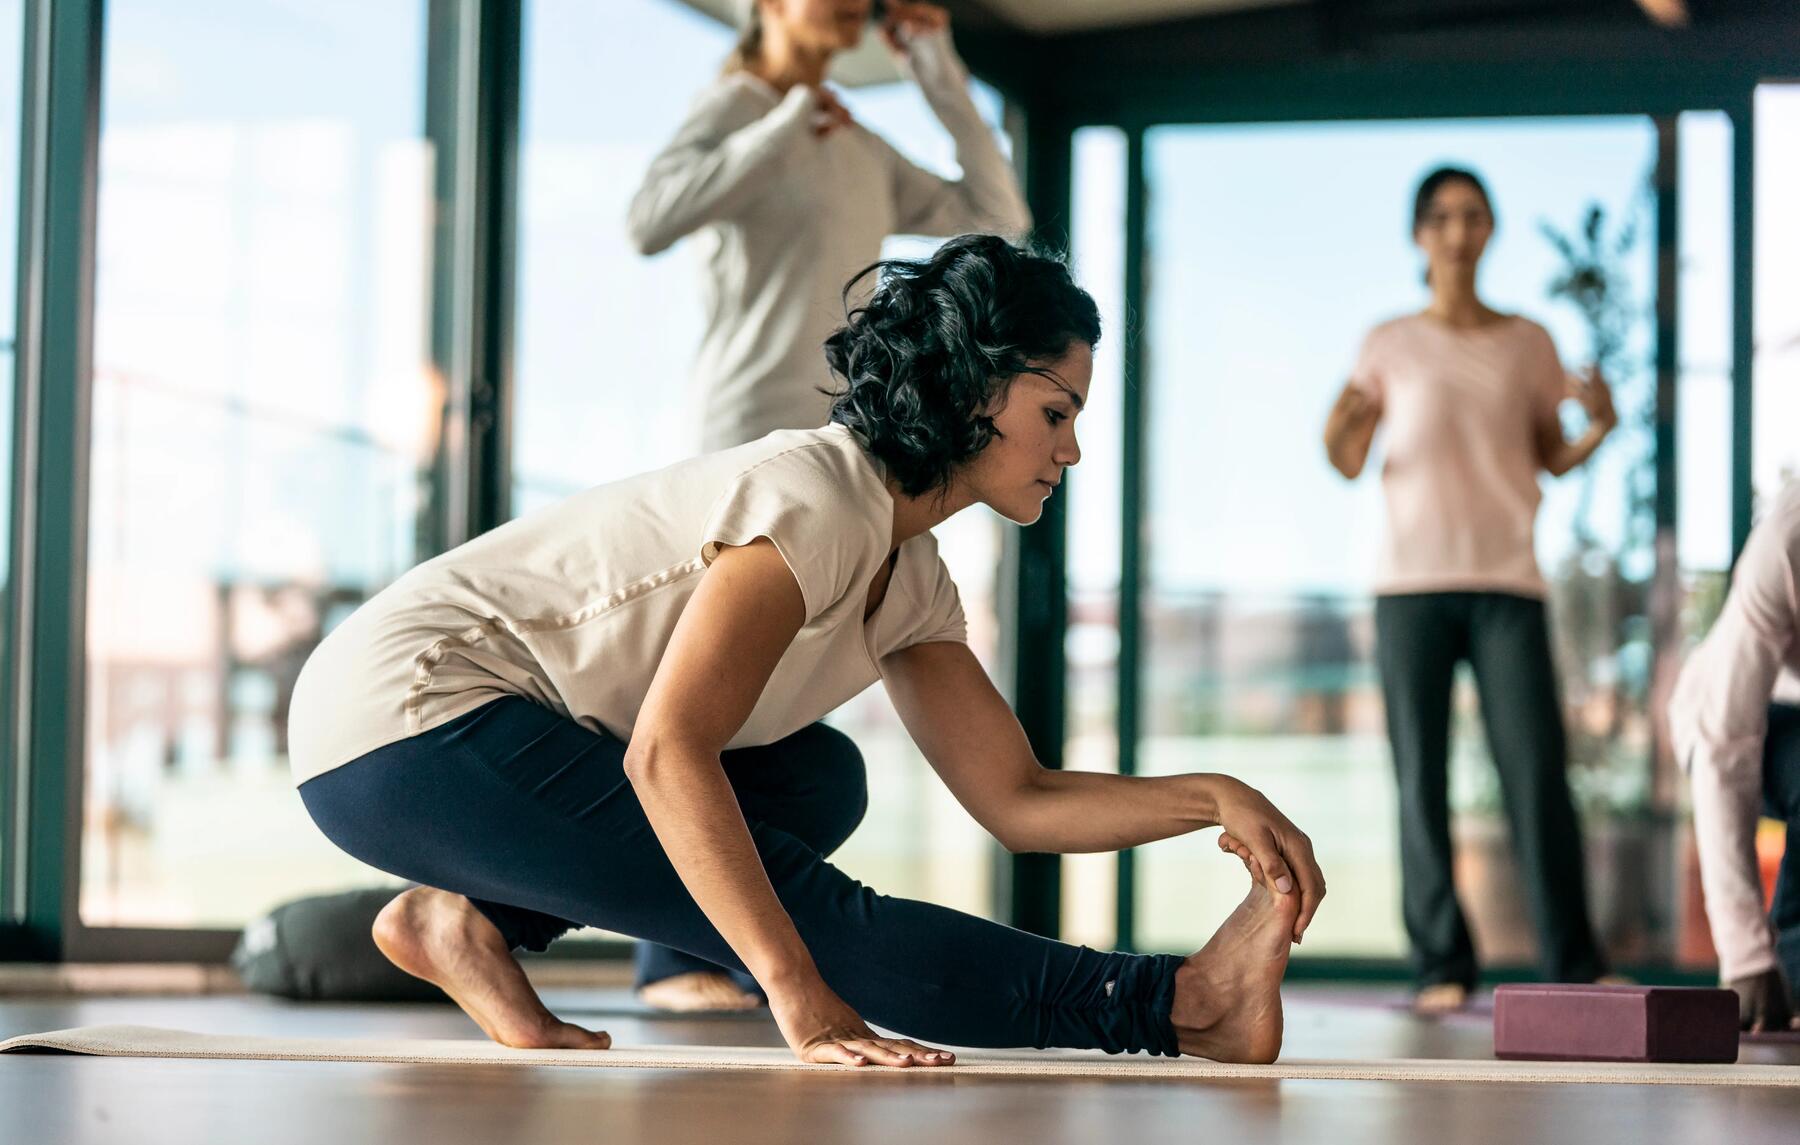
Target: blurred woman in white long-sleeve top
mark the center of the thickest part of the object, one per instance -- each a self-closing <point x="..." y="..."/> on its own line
<point x="793" y="197"/>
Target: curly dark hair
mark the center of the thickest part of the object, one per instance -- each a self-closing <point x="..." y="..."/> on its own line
<point x="939" y="340"/>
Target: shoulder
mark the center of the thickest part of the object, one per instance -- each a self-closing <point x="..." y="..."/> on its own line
<point x="1528" y="332"/>
<point x="1776" y="538"/>
<point x="1397" y="328"/>
<point x="821" y="474"/>
<point x="828" y="460"/>
<point x="1391" y="334"/>
<point x="732" y="99"/>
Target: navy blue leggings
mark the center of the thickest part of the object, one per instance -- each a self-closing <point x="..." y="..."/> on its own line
<point x="531" y="817"/>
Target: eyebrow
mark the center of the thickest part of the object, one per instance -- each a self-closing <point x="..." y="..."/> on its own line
<point x="1067" y="389"/>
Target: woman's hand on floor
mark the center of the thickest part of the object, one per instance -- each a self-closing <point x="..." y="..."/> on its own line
<point x="1256" y="831"/>
<point x="822" y="1030"/>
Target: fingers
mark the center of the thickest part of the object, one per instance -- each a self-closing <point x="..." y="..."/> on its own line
<point x="904" y="20"/>
<point x="1312" y="886"/>
<point x="1230" y="844"/>
<point x="1275" y="868"/>
<point x="833" y="1053"/>
<point x="832" y="113"/>
<point x="897" y="1053"/>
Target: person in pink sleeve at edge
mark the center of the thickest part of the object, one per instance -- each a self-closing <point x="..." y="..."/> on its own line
<point x="1734" y="719"/>
<point x="1469" y="398"/>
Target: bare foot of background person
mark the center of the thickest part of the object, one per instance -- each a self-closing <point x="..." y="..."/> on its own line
<point x="1440" y="998"/>
<point x="1228" y="993"/>
<point x="442" y="938"/>
<point x="698" y="990"/>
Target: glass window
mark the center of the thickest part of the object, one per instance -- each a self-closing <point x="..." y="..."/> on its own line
<point x="1704" y="322"/>
<point x="605" y="344"/>
<point x="12" y="81"/>
<point x="1259" y="634"/>
<point x="1703" y="341"/>
<point x="1775" y="454"/>
<point x="604" y="338"/>
<point x="1094" y="488"/>
<point x="263" y="422"/>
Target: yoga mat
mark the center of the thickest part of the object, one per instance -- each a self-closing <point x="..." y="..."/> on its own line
<point x="152" y="1042"/>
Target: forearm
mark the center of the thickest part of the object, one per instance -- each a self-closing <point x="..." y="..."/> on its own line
<point x="1725" y="817"/>
<point x="1567" y="455"/>
<point x="1347" y="446"/>
<point x="989" y="193"/>
<point x="691" y="807"/>
<point x="697" y="181"/>
<point x="1076" y="812"/>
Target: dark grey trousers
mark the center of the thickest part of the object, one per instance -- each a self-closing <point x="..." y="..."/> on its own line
<point x="1420" y="639"/>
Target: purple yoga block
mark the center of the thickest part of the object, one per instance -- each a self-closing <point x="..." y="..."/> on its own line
<point x="1615" y="1023"/>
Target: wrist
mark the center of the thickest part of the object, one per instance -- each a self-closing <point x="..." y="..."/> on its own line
<point x="785" y="973"/>
<point x="1206" y="797"/>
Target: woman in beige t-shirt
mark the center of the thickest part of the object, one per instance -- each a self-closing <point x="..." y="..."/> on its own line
<point x="1470" y="400"/>
<point x="606" y="714"/>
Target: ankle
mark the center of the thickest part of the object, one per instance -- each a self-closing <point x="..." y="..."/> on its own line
<point x="1198" y="1004"/>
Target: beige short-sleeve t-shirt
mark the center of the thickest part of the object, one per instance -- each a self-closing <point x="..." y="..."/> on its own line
<point x="571" y="607"/>
<point x="1460" y="409"/>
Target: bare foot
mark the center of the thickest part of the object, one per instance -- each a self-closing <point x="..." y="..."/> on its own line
<point x="1440" y="998"/>
<point x="699" y="990"/>
<point x="1228" y="993"/>
<point x="442" y="938"/>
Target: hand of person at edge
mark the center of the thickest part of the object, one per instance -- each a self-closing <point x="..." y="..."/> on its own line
<point x="1255" y="830"/>
<point x="1763" y="1002"/>
<point x="831" y="113"/>
<point x="822" y="1030"/>
<point x="1590" y="389"/>
<point x="904" y="19"/>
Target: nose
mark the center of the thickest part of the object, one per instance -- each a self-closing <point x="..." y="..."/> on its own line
<point x="1069" y="452"/>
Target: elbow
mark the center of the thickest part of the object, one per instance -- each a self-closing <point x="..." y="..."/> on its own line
<point x="645" y="763"/>
<point x="1349" y="468"/>
<point x="1020" y="222"/>
<point x="643" y="232"/>
<point x="637" y="763"/>
<point x="645" y="239"/>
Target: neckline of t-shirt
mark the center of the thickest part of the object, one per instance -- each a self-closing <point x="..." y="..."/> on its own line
<point x="1503" y="322"/>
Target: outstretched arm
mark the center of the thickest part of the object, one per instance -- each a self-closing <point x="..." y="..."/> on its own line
<point x="974" y="742"/>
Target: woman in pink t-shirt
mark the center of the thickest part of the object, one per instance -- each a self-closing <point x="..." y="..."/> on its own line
<point x="1469" y="397"/>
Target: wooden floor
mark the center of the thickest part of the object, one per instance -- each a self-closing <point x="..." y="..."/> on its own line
<point x="53" y="1100"/>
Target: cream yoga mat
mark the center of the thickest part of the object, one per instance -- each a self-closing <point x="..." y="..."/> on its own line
<point x="152" y="1042"/>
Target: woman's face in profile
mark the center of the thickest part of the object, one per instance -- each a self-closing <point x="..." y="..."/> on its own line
<point x="1034" y="438"/>
<point x="1456" y="227"/>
